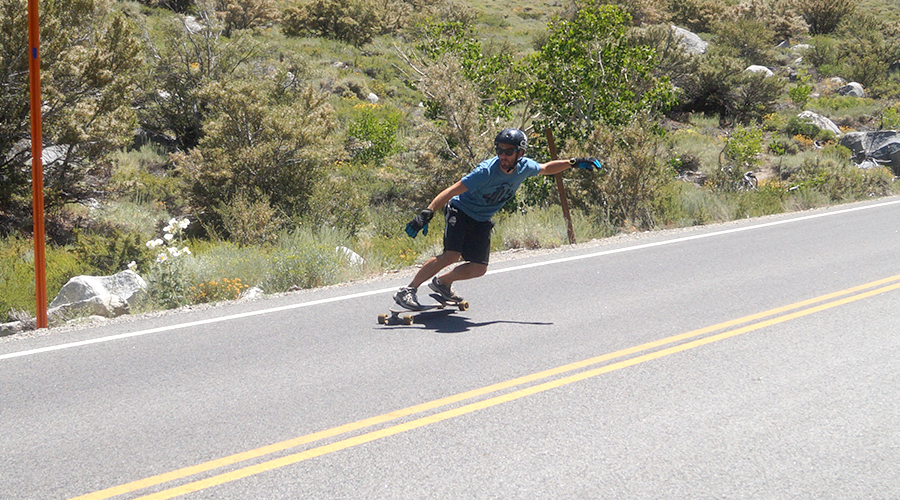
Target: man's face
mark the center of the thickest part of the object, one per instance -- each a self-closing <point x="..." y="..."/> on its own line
<point x="508" y="155"/>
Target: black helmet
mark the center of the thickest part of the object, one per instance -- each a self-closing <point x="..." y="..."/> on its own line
<point x="512" y="136"/>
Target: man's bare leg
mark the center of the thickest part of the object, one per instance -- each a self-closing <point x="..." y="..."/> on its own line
<point x="465" y="271"/>
<point x="434" y="266"/>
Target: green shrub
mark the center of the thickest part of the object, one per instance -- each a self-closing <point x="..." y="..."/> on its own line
<point x="834" y="176"/>
<point x="740" y="155"/>
<point x="250" y="219"/>
<point x="169" y="278"/>
<point x="536" y="192"/>
<point x="627" y="192"/>
<point x="372" y="133"/>
<point x="262" y="135"/>
<point x="390" y="245"/>
<point x="685" y="204"/>
<point x="246" y="14"/>
<point x="782" y="147"/>
<point x="17" y="278"/>
<point x="747" y="39"/>
<point x="696" y="15"/>
<point x="110" y="250"/>
<point x="805" y="199"/>
<point x="737" y="96"/>
<point x="890" y="117"/>
<point x="217" y="260"/>
<point x="142" y="176"/>
<point x="541" y="228"/>
<point x="355" y="21"/>
<point x="306" y="258"/>
<point x="799" y="92"/>
<point x="347" y="212"/>
<point x="751" y="96"/>
<point x="798" y="126"/>
<point x="823" y="16"/>
<point x="824" y="55"/>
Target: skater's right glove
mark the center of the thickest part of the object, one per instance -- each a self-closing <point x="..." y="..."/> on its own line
<point x="419" y="223"/>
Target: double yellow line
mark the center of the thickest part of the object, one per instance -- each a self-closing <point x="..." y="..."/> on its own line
<point x="579" y="371"/>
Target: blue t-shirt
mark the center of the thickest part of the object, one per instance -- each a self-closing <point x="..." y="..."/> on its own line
<point x="489" y="188"/>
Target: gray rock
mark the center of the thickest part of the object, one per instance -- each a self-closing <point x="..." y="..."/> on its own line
<point x="11" y="328"/>
<point x="882" y="147"/>
<point x="107" y="296"/>
<point x="107" y="306"/>
<point x="692" y="43"/>
<point x="760" y="69"/>
<point x="853" y="89"/>
<point x="192" y="25"/>
<point x="127" y="284"/>
<point x="353" y="257"/>
<point x="251" y="293"/>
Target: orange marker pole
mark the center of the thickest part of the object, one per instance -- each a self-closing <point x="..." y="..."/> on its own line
<point x="37" y="164"/>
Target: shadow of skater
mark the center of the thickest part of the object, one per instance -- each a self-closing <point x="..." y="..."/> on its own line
<point x="448" y="321"/>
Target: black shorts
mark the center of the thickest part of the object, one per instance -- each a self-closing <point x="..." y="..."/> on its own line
<point x="467" y="236"/>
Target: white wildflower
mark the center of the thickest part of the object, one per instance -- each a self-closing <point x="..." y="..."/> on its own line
<point x="169" y="236"/>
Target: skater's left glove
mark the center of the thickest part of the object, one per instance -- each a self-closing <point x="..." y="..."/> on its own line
<point x="587" y="163"/>
<point x="419" y="223"/>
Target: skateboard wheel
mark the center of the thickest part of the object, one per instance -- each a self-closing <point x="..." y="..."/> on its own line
<point x="407" y="320"/>
<point x="463" y="305"/>
<point x="382" y="319"/>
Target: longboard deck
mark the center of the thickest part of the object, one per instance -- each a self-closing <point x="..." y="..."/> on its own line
<point x="406" y="316"/>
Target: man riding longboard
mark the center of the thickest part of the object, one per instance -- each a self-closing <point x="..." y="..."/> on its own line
<point x="469" y="205"/>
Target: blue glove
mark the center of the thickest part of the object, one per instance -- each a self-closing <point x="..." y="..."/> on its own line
<point x="587" y="163"/>
<point x="419" y="223"/>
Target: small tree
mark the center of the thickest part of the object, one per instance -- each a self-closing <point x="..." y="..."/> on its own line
<point x="587" y="74"/>
<point x="824" y="16"/>
<point x="355" y="22"/>
<point x="260" y="135"/>
<point x="184" y="63"/>
<point x="696" y="15"/>
<point x="247" y="14"/>
<point x="373" y="133"/>
<point x="90" y="57"/>
<point x="467" y="93"/>
<point x="739" y="157"/>
<point x="631" y="190"/>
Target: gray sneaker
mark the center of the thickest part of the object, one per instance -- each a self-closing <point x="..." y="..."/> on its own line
<point x="444" y="290"/>
<point x="406" y="298"/>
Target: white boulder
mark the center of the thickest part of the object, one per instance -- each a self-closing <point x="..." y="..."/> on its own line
<point x="820" y="121"/>
<point x="853" y="89"/>
<point x="107" y="296"/>
<point x="760" y="69"/>
<point x="691" y="42"/>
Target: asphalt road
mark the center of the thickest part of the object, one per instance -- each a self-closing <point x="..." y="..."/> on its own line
<point x="755" y="359"/>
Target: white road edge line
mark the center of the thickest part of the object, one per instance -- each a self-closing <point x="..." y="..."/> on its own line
<point x="388" y="290"/>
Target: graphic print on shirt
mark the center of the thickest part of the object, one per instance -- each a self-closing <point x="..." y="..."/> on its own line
<point x="503" y="193"/>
